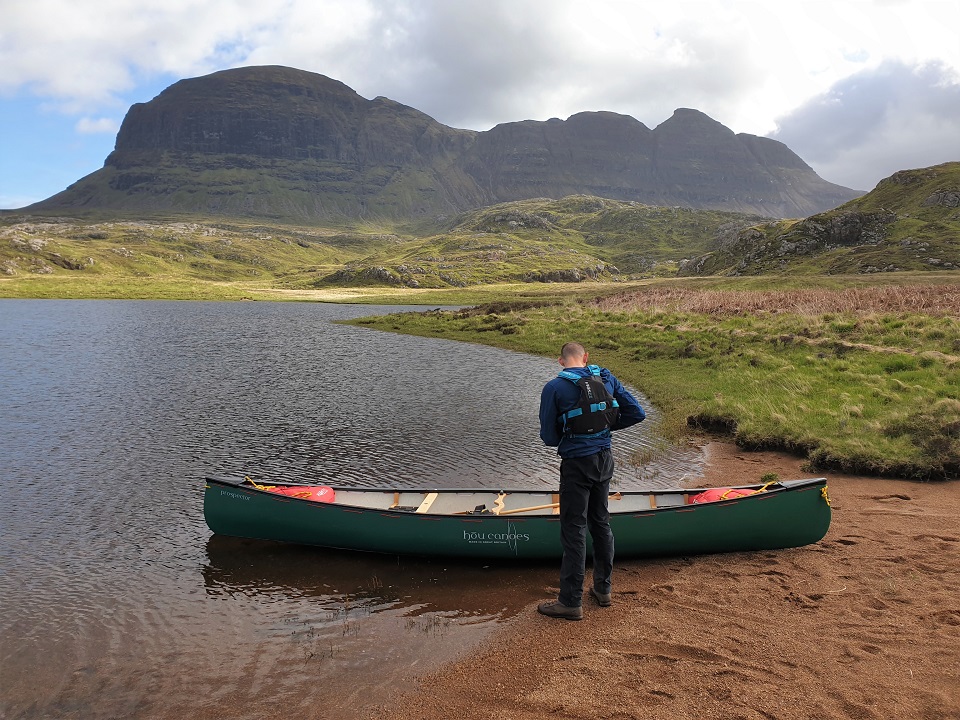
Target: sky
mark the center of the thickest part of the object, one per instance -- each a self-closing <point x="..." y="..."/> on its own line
<point x="857" y="88"/>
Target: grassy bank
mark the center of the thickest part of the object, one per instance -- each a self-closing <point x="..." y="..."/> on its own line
<point x="859" y="379"/>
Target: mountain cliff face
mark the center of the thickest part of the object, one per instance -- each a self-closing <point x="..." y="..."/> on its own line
<point x="284" y="143"/>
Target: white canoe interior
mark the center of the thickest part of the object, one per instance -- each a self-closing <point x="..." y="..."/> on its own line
<point x="495" y="502"/>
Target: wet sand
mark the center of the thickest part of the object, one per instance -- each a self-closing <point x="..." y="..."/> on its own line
<point x="864" y="624"/>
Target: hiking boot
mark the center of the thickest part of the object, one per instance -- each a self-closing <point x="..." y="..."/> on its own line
<point x="603" y="599"/>
<point x="558" y="610"/>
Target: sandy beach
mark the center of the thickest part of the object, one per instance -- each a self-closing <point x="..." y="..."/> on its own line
<point x="864" y="624"/>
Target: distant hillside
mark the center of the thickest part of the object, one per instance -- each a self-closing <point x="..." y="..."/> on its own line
<point x="293" y="146"/>
<point x="573" y="239"/>
<point x="910" y="221"/>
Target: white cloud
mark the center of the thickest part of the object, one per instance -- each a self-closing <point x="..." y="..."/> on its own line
<point x="91" y="126"/>
<point x="84" y="56"/>
<point x="482" y="58"/>
<point x="475" y="63"/>
<point x="872" y="124"/>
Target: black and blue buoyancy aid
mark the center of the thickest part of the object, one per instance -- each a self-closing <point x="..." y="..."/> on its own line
<point x="596" y="411"/>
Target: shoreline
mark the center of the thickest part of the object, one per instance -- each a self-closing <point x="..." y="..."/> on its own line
<point x="863" y="624"/>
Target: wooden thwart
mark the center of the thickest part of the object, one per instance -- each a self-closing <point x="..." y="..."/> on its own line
<point x="427" y="502"/>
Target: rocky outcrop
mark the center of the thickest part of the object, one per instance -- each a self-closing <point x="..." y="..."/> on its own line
<point x="943" y="198"/>
<point x="284" y="143"/>
<point x="908" y="222"/>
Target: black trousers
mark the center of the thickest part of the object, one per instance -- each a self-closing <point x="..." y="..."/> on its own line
<point x="584" y="489"/>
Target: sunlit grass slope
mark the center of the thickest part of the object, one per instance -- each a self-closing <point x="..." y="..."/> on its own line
<point x="863" y="379"/>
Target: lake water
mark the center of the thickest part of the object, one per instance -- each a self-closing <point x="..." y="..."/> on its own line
<point x="115" y="599"/>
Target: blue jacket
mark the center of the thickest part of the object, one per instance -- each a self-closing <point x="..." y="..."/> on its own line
<point x="560" y="395"/>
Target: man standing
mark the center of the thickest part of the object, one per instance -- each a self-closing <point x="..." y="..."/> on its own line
<point x="586" y="467"/>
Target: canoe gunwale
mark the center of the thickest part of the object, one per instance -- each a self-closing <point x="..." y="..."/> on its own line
<point x="238" y="481"/>
<point x="770" y="491"/>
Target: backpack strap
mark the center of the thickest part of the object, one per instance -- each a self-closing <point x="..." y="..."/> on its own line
<point x="575" y="379"/>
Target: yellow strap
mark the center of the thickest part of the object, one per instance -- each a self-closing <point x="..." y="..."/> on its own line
<point x="825" y="494"/>
<point x="259" y="487"/>
<point x="758" y="490"/>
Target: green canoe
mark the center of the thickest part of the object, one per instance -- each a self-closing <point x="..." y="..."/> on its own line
<point x="486" y="523"/>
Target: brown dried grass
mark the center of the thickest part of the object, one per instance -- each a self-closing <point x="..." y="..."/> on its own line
<point x="933" y="300"/>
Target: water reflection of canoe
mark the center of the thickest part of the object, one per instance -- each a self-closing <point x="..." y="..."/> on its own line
<point x="517" y="523"/>
<point x="271" y="572"/>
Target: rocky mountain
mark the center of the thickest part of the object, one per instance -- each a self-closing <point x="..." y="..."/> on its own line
<point x="910" y="221"/>
<point x="281" y="143"/>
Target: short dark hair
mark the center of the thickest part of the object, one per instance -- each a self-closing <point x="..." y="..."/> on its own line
<point x="572" y="349"/>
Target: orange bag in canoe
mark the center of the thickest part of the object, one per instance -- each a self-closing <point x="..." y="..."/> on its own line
<point x="317" y="493"/>
<point x="714" y="494"/>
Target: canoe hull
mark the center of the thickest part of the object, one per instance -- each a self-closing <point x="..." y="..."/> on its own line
<point x="792" y="515"/>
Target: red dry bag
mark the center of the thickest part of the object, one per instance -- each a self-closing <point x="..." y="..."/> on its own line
<point x="317" y="493"/>
<point x="714" y="494"/>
